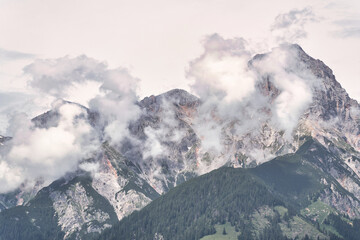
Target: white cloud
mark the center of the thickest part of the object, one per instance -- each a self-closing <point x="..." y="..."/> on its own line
<point x="56" y="77"/>
<point x="110" y="92"/>
<point x="117" y="103"/>
<point x="221" y="71"/>
<point x="47" y="153"/>
<point x="152" y="146"/>
<point x="294" y="81"/>
<point x="225" y="85"/>
<point x="167" y="131"/>
<point x="10" y="177"/>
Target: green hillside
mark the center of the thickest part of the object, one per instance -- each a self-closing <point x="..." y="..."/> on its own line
<point x="38" y="219"/>
<point x="276" y="200"/>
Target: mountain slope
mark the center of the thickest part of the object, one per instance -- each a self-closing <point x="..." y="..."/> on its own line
<point x="80" y="205"/>
<point x="190" y="210"/>
<point x="73" y="204"/>
<point x="271" y="200"/>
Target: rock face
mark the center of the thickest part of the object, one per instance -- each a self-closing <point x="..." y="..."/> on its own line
<point x="75" y="208"/>
<point x="165" y="149"/>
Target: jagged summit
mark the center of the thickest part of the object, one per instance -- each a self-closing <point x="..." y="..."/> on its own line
<point x="51" y="117"/>
<point x="318" y="67"/>
<point x="181" y="94"/>
<point x="176" y="96"/>
<point x="329" y="98"/>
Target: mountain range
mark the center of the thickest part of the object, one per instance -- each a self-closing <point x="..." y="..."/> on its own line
<point x="269" y="167"/>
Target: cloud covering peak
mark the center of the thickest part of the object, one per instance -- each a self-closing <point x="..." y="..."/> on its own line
<point x="246" y="92"/>
<point x="46" y="154"/>
<point x="221" y="71"/>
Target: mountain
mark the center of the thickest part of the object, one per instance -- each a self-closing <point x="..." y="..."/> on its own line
<point x="165" y="151"/>
<point x="285" y="198"/>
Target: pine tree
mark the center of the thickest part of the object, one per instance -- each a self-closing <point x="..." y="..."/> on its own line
<point x="224" y="231"/>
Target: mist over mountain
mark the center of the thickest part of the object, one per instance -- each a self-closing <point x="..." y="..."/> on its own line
<point x="74" y="171"/>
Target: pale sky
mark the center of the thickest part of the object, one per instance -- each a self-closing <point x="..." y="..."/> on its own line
<point x="156" y="39"/>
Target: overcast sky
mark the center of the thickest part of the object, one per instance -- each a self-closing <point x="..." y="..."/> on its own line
<point x="156" y="39"/>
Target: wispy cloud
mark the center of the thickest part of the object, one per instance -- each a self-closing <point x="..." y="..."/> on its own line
<point x="290" y="26"/>
<point x="348" y="28"/>
<point x="8" y="55"/>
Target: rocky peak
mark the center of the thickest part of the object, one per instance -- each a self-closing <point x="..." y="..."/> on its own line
<point x="51" y="118"/>
<point x="180" y="97"/>
<point x="177" y="97"/>
<point x="330" y="100"/>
